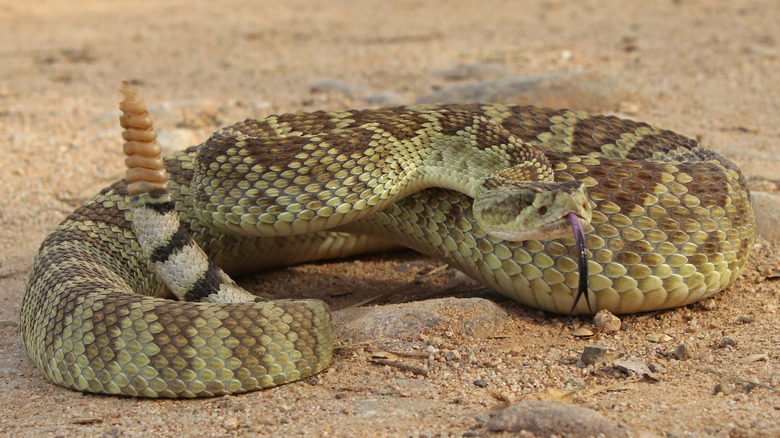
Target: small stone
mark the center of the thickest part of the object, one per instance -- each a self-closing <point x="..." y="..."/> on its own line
<point x="545" y="418"/>
<point x="343" y="87"/>
<point x="746" y="319"/>
<point x="593" y="354"/>
<point x="574" y="383"/>
<point x="225" y="403"/>
<point x="755" y="357"/>
<point x="606" y="321"/>
<point x="634" y="368"/>
<point x="384" y="98"/>
<point x="230" y="423"/>
<point x="589" y="92"/>
<point x="728" y="342"/>
<point x="656" y="368"/>
<point x="476" y="70"/>
<point x="709" y="304"/>
<point x="480" y="383"/>
<point x="452" y="355"/>
<point x="340" y="395"/>
<point x="658" y="337"/>
<point x="681" y="352"/>
<point x="766" y="207"/>
<point x="113" y="431"/>
<point x="723" y="388"/>
<point x="408" y="320"/>
<point x="583" y="333"/>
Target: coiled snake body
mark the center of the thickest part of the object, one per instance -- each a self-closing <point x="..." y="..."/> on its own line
<point x="667" y="222"/>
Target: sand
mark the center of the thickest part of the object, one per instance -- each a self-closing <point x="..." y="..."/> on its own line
<point x="707" y="69"/>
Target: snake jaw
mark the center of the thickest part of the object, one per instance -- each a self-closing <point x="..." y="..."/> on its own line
<point x="523" y="210"/>
<point x="520" y="210"/>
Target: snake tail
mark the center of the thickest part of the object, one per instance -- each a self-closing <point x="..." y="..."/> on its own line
<point x="187" y="271"/>
<point x="87" y="326"/>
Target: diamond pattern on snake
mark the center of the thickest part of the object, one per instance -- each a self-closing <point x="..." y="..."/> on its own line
<point x="560" y="210"/>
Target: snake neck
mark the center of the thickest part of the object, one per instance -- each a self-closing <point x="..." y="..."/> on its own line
<point x="515" y="195"/>
<point x="262" y="178"/>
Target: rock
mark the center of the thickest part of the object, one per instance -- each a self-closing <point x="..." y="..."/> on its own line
<point x="592" y="354"/>
<point x="606" y="321"/>
<point x="728" y="342"/>
<point x="658" y="337"/>
<point x="582" y="332"/>
<point x="580" y="91"/>
<point x="385" y="98"/>
<point x="474" y="70"/>
<point x="343" y="87"/>
<point x="767" y="209"/>
<point x="545" y="418"/>
<point x="723" y="388"/>
<point x="680" y="352"/>
<point x="634" y="368"/>
<point x="408" y="320"/>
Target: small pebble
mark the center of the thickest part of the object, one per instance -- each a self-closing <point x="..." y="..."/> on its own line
<point x="593" y="354"/>
<point x="113" y="431"/>
<point x="658" y="337"/>
<point x="656" y="368"/>
<point x="728" y="342"/>
<point x="723" y="388"/>
<point x="709" y="304"/>
<point x="606" y="321"/>
<point x="545" y="418"/>
<point x="231" y="423"/>
<point x="755" y="357"/>
<point x="452" y="355"/>
<point x="681" y="352"/>
<point x="480" y="383"/>
<point x="583" y="333"/>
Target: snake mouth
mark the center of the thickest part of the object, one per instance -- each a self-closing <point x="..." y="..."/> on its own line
<point x="579" y="238"/>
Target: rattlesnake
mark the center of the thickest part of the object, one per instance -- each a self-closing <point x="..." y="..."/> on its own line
<point x="667" y="222"/>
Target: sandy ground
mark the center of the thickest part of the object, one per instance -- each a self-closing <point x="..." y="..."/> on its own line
<point x="708" y="69"/>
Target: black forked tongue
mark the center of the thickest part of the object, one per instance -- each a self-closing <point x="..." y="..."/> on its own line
<point x="579" y="237"/>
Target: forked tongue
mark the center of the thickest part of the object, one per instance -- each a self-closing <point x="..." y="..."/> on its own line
<point x="579" y="237"/>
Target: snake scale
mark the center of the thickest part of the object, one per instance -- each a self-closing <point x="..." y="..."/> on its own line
<point x="127" y="295"/>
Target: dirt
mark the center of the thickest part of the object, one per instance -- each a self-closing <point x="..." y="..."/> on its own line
<point x="707" y="69"/>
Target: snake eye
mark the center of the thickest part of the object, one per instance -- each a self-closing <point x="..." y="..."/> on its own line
<point x="543" y="210"/>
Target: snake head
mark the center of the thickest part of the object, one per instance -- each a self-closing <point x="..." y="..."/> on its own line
<point x="523" y="210"/>
<point x="530" y="210"/>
